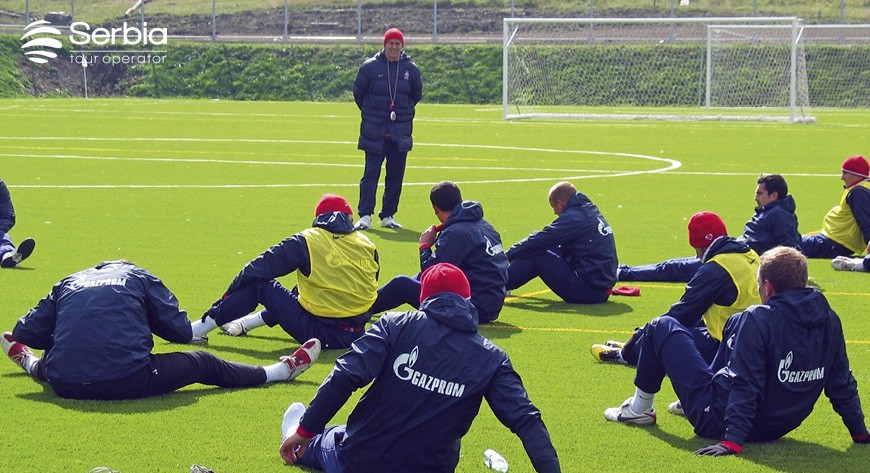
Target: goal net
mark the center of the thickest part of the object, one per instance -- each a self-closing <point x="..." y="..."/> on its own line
<point x="655" y="68"/>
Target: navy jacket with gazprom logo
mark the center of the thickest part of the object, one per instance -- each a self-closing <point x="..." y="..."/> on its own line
<point x="371" y="92"/>
<point x="96" y="324"/>
<point x="472" y="244"/>
<point x="773" y="225"/>
<point x="780" y="357"/>
<point x="431" y="370"/>
<point x="582" y="237"/>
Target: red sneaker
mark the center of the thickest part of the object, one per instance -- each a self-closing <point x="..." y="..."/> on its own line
<point x="16" y="351"/>
<point x="302" y="358"/>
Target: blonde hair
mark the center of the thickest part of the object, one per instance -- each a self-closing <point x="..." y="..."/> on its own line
<point x="784" y="267"/>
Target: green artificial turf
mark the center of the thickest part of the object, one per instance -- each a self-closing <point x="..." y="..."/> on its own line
<point x="192" y="190"/>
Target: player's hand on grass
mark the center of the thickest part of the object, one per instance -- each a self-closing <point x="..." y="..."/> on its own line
<point x="718" y="450"/>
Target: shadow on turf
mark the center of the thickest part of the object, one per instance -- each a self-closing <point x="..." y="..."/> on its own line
<point x="185" y="397"/>
<point x="402" y="234"/>
<point x="498" y="329"/>
<point x="793" y="456"/>
<point x="539" y="304"/>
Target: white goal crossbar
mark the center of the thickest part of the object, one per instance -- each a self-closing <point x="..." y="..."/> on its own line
<point x="654" y="68"/>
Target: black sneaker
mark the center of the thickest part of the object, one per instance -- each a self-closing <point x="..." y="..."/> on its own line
<point x="20" y="254"/>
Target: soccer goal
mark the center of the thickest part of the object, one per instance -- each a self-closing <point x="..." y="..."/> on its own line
<point x="655" y="68"/>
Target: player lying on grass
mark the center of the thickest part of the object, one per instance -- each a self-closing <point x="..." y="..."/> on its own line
<point x="773" y="224"/>
<point x="96" y="329"/>
<point x="767" y="377"/>
<point x="337" y="281"/>
<point x="10" y="255"/>
<point x="724" y="284"/>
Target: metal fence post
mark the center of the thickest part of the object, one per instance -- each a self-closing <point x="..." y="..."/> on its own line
<point x="286" y="19"/>
<point x="591" y="38"/>
<point x="213" y="19"/>
<point x="842" y="21"/>
<point x="435" y="22"/>
<point x="359" y="35"/>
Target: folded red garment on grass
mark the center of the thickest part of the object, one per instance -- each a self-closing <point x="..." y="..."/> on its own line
<point x="626" y="291"/>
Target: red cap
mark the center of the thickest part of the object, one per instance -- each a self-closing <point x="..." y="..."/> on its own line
<point x="394" y="33"/>
<point x="857" y="165"/>
<point x="332" y="203"/>
<point x="443" y="277"/>
<point x="704" y="227"/>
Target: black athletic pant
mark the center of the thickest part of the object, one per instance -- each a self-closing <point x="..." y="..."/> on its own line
<point x="165" y="373"/>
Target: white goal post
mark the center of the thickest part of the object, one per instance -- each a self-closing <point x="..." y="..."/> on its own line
<point x="738" y="68"/>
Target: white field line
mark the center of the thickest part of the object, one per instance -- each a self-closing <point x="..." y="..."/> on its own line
<point x="669" y="164"/>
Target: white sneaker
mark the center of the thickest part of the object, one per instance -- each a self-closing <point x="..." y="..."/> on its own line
<point x="844" y="263"/>
<point x="235" y="328"/>
<point x="390" y="222"/>
<point x="624" y="415"/>
<point x="676" y="408"/>
<point x="292" y="416"/>
<point x="302" y="358"/>
<point x="364" y="223"/>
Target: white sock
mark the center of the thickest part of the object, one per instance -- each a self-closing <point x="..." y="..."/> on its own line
<point x="252" y="321"/>
<point x="643" y="401"/>
<point x="277" y="372"/>
<point x="30" y="364"/>
<point x="202" y="327"/>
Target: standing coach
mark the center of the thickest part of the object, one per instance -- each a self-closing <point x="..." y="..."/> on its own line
<point x="387" y="87"/>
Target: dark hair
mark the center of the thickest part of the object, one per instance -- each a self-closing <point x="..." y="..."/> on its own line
<point x="784" y="267"/>
<point x="774" y="183"/>
<point x="445" y="195"/>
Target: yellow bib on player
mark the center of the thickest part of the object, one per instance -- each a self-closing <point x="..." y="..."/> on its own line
<point x="343" y="280"/>
<point x="840" y="225"/>
<point x="743" y="269"/>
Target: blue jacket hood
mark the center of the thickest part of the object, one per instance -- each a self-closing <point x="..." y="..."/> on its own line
<point x="467" y="211"/>
<point x="334" y="222"/>
<point x="725" y="244"/>
<point x="451" y="310"/>
<point x="805" y="306"/>
<point x="787" y="203"/>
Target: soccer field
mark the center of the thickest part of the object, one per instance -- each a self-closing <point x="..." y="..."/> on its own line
<point x="192" y="190"/>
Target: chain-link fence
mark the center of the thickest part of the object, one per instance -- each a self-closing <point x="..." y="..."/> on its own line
<point x="365" y="20"/>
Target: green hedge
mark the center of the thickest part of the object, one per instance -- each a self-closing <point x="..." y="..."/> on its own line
<point x="13" y="81"/>
<point x="452" y="74"/>
<point x="244" y="72"/>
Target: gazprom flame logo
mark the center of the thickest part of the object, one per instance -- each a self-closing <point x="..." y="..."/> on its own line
<point x="38" y="48"/>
